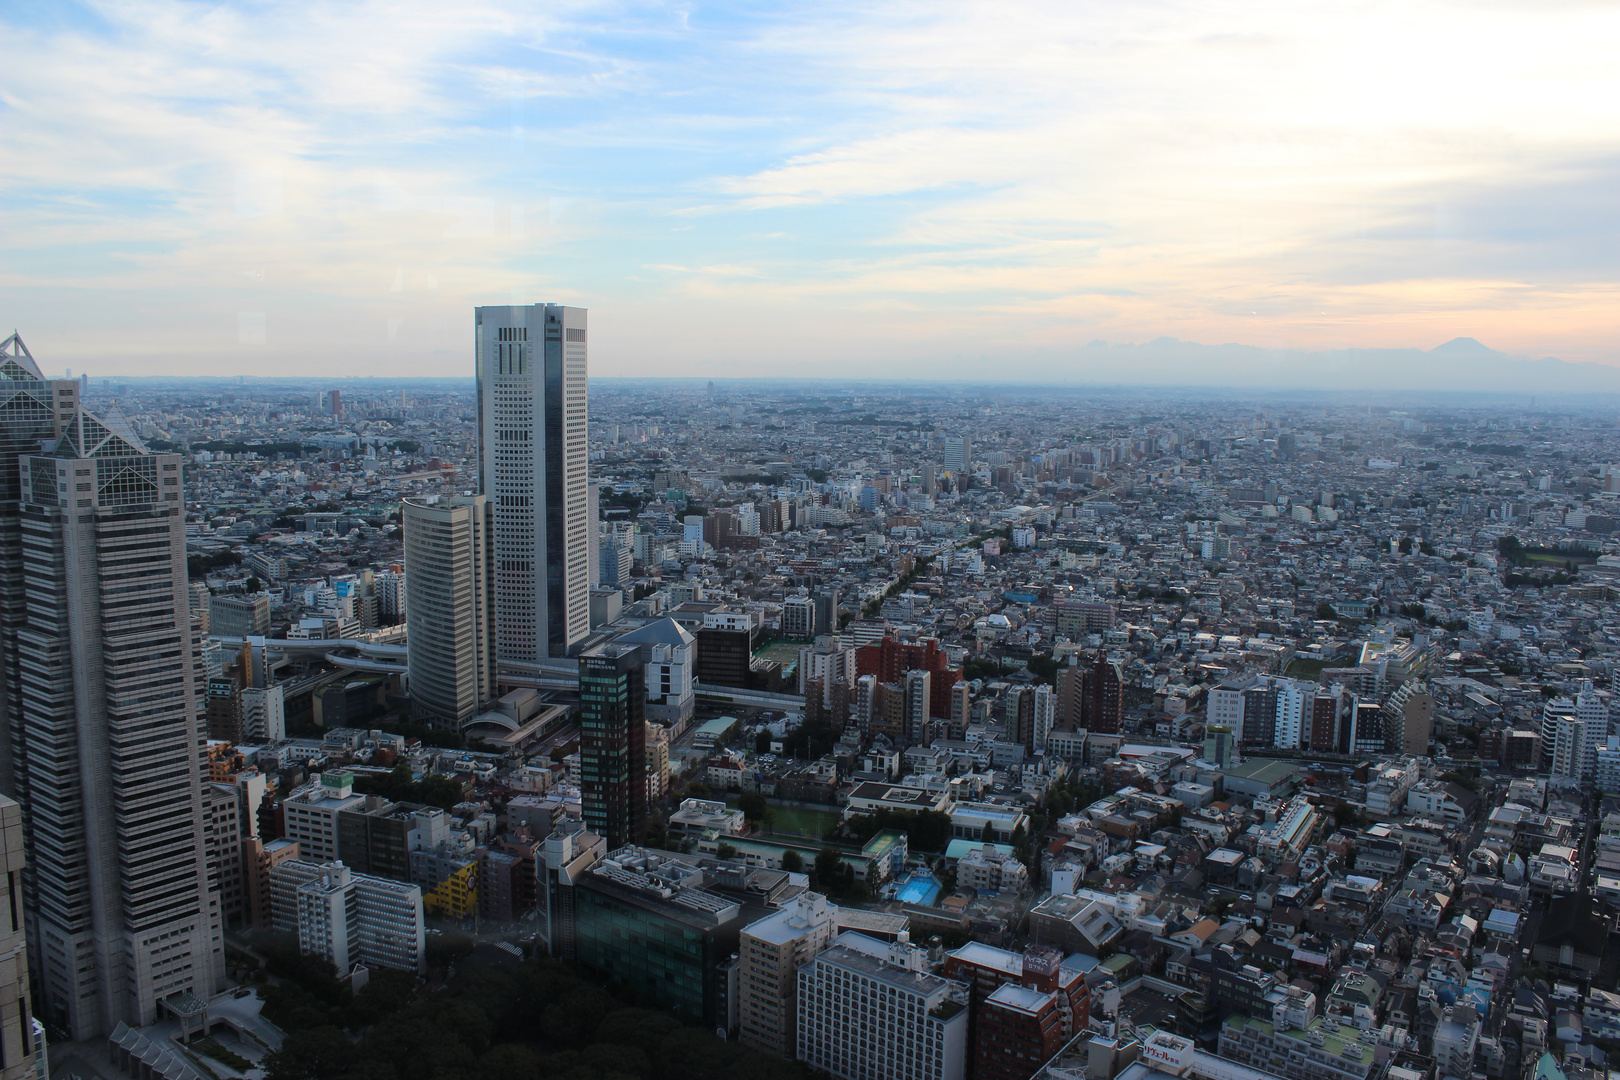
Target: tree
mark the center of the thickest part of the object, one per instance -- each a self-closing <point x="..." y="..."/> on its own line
<point x="726" y="851"/>
<point x="310" y="1055"/>
<point x="792" y="862"/>
<point x="753" y="805"/>
<point x="762" y="741"/>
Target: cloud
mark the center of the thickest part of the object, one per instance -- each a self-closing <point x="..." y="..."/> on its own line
<point x="807" y="180"/>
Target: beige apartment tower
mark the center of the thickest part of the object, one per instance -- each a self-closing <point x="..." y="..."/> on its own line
<point x="772" y="952"/>
<point x="450" y="644"/>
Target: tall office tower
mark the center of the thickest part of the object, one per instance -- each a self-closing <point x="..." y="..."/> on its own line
<point x="32" y="408"/>
<point x="109" y="730"/>
<point x="20" y="1033"/>
<point x="958" y="454"/>
<point x="532" y="468"/>
<point x="613" y="743"/>
<point x="593" y="530"/>
<point x="449" y="648"/>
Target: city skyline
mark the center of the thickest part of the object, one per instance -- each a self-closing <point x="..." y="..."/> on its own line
<point x="794" y="191"/>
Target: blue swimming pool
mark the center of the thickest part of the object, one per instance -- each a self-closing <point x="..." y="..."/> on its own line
<point x="920" y="889"/>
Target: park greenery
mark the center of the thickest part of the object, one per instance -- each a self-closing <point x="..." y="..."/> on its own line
<point x="401" y="786"/>
<point x="539" y="1020"/>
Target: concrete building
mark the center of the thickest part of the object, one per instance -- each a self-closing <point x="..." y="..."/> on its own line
<point x="869" y="1010"/>
<point x="312" y="814"/>
<point x="798" y="617"/>
<point x="567" y="854"/>
<point x="450" y="650"/>
<point x="772" y="952"/>
<point x="669" y="656"/>
<point x="531" y="368"/>
<point x="121" y="916"/>
<point x="21" y="1036"/>
<point x="350" y="918"/>
<point x="238" y="615"/>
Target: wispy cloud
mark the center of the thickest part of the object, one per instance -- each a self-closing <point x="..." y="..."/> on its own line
<point x="795" y="183"/>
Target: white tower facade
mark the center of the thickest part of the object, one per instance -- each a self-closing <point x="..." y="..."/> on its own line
<point x="531" y="363"/>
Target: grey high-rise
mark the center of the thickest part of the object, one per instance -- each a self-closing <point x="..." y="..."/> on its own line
<point x="107" y="735"/>
<point x="32" y="409"/>
<point x="448" y="608"/>
<point x="531" y="363"/>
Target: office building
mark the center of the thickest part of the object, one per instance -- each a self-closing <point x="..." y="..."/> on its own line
<point x="35" y="409"/>
<point x="238" y="615"/>
<point x="798" y="617"/>
<point x="870" y="1010"/>
<point x="450" y="648"/>
<point x="20" y="1033"/>
<point x="772" y="951"/>
<point x="669" y="657"/>
<point x="568" y="852"/>
<point x="613" y="741"/>
<point x="658" y="925"/>
<point x="349" y="918"/>
<point x="531" y="366"/>
<point x="958" y="454"/>
<point x="312" y="811"/>
<point x="264" y="714"/>
<point x="109" y="724"/>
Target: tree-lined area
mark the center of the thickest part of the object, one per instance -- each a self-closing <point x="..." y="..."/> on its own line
<point x="540" y="1020"/>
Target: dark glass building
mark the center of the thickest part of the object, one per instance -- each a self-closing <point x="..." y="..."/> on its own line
<point x="613" y="743"/>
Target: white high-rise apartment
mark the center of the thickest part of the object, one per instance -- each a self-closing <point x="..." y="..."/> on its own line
<point x="869" y="1010"/>
<point x="350" y="918"/>
<point x="120" y="913"/>
<point x="449" y="647"/>
<point x="531" y="363"/>
<point x="958" y="454"/>
<point x="1592" y="710"/>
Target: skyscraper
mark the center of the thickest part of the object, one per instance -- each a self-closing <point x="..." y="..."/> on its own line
<point x="32" y="408"/>
<point x="958" y="454"/>
<point x="613" y="742"/>
<point x="531" y="364"/>
<point x="18" y="1035"/>
<point x="450" y="646"/>
<point x="121" y="917"/>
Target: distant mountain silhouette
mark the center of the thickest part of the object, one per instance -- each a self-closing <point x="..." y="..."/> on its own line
<point x="1461" y="364"/>
<point x="1463" y="346"/>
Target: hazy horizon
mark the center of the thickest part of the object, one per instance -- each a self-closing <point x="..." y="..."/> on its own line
<point x="929" y="190"/>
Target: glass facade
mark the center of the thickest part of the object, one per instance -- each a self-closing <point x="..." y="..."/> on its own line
<point x="672" y="963"/>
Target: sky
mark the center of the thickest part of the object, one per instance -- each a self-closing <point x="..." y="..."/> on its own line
<point x="934" y="189"/>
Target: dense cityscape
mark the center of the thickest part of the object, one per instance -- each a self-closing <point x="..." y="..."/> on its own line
<point x="513" y="725"/>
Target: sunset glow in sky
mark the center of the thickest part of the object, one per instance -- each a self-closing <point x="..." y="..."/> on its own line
<point x="903" y="189"/>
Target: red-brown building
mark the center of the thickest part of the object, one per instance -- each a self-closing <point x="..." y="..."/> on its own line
<point x="1024" y="1007"/>
<point x="889" y="660"/>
